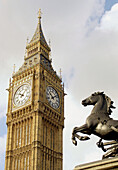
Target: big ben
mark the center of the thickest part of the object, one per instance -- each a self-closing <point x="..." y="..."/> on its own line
<point x="35" y="115"/>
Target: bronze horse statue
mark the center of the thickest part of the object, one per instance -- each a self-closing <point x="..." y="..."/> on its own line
<point x="99" y="123"/>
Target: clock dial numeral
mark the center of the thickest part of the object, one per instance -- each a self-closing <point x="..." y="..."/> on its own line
<point x="22" y="95"/>
<point x="52" y="97"/>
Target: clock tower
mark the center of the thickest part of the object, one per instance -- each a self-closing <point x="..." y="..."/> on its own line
<point x="35" y="115"/>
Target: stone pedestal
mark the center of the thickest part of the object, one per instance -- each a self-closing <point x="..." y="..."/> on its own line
<point x="106" y="164"/>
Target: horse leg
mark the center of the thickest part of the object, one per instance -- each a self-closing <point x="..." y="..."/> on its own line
<point x="114" y="128"/>
<point x="111" y="147"/>
<point x="82" y="129"/>
<point x="111" y="153"/>
<point x="108" y="154"/>
<point x="110" y="143"/>
<point x="100" y="144"/>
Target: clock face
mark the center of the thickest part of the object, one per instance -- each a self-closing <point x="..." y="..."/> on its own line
<point x="22" y="95"/>
<point x="52" y="97"/>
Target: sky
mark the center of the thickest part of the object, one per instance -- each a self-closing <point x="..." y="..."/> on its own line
<point x="84" y="44"/>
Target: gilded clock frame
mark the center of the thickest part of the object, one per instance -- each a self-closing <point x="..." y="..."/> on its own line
<point x="27" y="80"/>
<point x="59" y="94"/>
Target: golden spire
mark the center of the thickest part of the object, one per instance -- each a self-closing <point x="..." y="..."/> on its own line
<point x="38" y="36"/>
<point x="50" y="50"/>
<point x="49" y="43"/>
<point x="27" y="40"/>
<point x="39" y="14"/>
<point x="14" y="69"/>
<point x="60" y="73"/>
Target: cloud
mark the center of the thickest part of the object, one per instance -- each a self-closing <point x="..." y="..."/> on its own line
<point x="95" y="16"/>
<point x="2" y="150"/>
<point x="2" y="114"/>
<point x="3" y="108"/>
<point x="95" y="60"/>
<point x="109" y="22"/>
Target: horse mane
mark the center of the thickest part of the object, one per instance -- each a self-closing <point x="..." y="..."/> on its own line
<point x="108" y="100"/>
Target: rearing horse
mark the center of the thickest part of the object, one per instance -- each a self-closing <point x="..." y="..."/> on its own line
<point x="99" y="123"/>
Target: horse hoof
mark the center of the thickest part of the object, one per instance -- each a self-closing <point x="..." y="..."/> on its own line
<point x="74" y="142"/>
<point x="98" y="144"/>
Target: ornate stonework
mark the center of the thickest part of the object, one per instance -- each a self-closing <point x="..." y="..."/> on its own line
<point x="34" y="122"/>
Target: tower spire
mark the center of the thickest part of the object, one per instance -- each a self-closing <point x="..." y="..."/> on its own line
<point x="38" y="35"/>
<point x="60" y="73"/>
<point x="14" y="69"/>
<point x="39" y="14"/>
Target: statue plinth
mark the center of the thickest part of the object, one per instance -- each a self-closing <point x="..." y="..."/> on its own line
<point x="105" y="164"/>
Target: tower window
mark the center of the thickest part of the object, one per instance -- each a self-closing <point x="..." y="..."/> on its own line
<point x="23" y="110"/>
<point x="15" y="163"/>
<point x="35" y="59"/>
<point x="29" y="133"/>
<point x="42" y="160"/>
<point x="46" y="137"/>
<point x="43" y="135"/>
<point x="30" y="62"/>
<point x="20" y="136"/>
<point x="51" y="138"/>
<point x="17" y="136"/>
<point x="28" y="162"/>
<point x="25" y="163"/>
<point x="18" y="164"/>
<point x="26" y="135"/>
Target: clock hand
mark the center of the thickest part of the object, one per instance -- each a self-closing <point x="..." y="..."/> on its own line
<point x="21" y="94"/>
<point x="55" y="96"/>
<point x="24" y="91"/>
<point x="51" y="95"/>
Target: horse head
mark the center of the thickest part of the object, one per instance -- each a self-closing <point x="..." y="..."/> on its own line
<point x="99" y="98"/>
<point x="92" y="100"/>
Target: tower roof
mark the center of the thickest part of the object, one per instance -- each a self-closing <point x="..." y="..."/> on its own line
<point x="38" y="35"/>
<point x="37" y="51"/>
